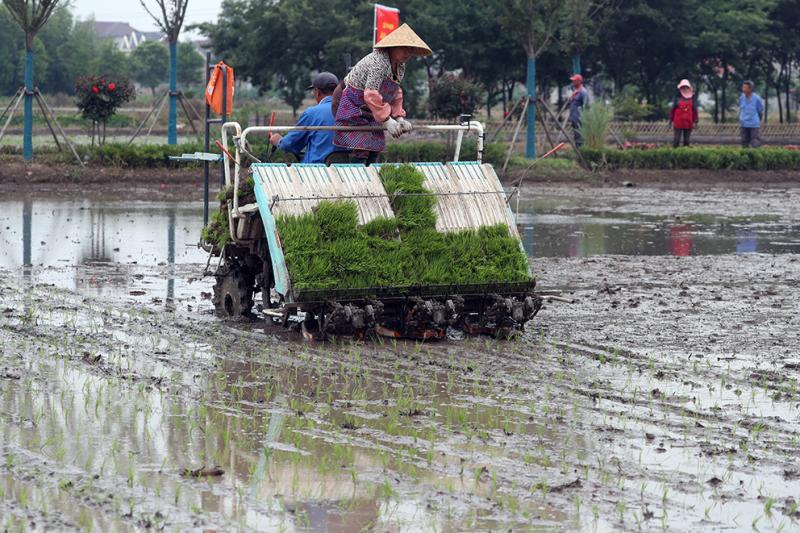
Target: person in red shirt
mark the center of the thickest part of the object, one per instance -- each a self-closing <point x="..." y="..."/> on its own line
<point x="683" y="114"/>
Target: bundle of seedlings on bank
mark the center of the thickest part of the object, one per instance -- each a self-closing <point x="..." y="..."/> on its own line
<point x="247" y="193"/>
<point x="328" y="249"/>
<point x="217" y="232"/>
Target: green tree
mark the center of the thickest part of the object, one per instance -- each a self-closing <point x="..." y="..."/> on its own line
<point x="733" y="29"/>
<point x="171" y="14"/>
<point x="581" y="25"/>
<point x="55" y="76"/>
<point x="12" y="40"/>
<point x="111" y="61"/>
<point x="534" y="24"/>
<point x="291" y="84"/>
<point x="31" y="16"/>
<point x="648" y="44"/>
<point x="190" y="65"/>
<point x="453" y="95"/>
<point x="295" y="37"/>
<point x="782" y="53"/>
<point x="82" y="47"/>
<point x="150" y="64"/>
<point x="468" y="35"/>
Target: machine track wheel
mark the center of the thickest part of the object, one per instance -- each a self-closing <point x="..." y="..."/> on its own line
<point x="233" y="294"/>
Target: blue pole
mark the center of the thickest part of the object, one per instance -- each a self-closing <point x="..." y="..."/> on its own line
<point x="530" y="150"/>
<point x="576" y="64"/>
<point x="172" y="128"/>
<point x="27" y="129"/>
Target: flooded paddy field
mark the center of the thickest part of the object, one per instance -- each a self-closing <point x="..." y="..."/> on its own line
<point x="664" y="397"/>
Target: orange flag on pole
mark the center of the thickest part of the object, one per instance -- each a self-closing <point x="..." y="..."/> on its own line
<point x="387" y="19"/>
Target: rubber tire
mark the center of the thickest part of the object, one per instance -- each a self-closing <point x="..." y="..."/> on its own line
<point x="233" y="295"/>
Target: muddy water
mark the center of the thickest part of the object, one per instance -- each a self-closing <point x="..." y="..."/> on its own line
<point x="553" y="223"/>
<point x="578" y="223"/>
<point x="665" y="397"/>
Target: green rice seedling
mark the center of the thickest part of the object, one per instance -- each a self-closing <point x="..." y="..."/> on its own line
<point x="327" y="249"/>
<point x="382" y="228"/>
<point x="336" y="220"/>
<point x="217" y="231"/>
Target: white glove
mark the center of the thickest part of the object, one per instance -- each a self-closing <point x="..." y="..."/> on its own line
<point x="393" y="127"/>
<point x="405" y="126"/>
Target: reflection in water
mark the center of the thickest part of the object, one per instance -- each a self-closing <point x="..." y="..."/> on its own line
<point x="171" y="253"/>
<point x="746" y="242"/>
<point x="69" y="233"/>
<point x="80" y="235"/>
<point x="64" y="233"/>
<point x="26" y="233"/>
<point x="681" y="240"/>
<point x="579" y="235"/>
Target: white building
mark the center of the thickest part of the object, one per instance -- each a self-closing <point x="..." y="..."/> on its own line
<point x="124" y="36"/>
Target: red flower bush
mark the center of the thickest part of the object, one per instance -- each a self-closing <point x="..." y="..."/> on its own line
<point x="98" y="100"/>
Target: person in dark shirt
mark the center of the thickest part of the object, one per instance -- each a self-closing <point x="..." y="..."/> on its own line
<point x="318" y="145"/>
<point x="577" y="101"/>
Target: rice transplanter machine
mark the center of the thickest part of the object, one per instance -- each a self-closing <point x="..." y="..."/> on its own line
<point x="468" y="193"/>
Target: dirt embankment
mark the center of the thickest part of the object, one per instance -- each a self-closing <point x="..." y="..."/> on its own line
<point x="15" y="173"/>
<point x="67" y="180"/>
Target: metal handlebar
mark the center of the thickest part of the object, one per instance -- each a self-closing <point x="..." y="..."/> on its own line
<point x="473" y="125"/>
<point x="240" y="140"/>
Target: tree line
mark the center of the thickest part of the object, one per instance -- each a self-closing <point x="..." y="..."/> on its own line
<point x="67" y="48"/>
<point x="633" y="50"/>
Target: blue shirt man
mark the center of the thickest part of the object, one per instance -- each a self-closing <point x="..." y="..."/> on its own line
<point x="751" y="106"/>
<point x="318" y="145"/>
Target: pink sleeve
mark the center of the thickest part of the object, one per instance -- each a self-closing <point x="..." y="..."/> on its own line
<point x="380" y="109"/>
<point x="397" y="104"/>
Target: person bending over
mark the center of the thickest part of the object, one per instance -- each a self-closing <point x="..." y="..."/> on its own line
<point x="370" y="95"/>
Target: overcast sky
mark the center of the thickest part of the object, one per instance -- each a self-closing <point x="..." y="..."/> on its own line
<point x="131" y="11"/>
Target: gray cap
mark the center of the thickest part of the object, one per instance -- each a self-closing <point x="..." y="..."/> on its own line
<point x="324" y="81"/>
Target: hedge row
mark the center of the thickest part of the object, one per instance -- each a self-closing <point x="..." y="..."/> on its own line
<point x="418" y="151"/>
<point x="157" y="155"/>
<point x="695" y="158"/>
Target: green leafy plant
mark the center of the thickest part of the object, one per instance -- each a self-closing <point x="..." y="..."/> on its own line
<point x="628" y="105"/>
<point x="451" y="95"/>
<point x="595" y="122"/>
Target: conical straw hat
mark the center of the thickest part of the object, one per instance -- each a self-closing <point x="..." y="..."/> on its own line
<point x="405" y="36"/>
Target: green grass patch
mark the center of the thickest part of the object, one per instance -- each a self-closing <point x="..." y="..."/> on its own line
<point x="437" y="151"/>
<point x="695" y="158"/>
<point x="152" y="155"/>
<point x="328" y="249"/>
